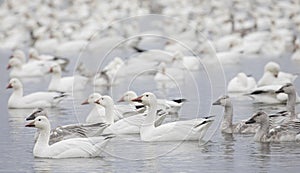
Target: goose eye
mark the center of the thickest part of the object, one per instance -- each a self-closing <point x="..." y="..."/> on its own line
<point x="147" y="95"/>
<point x="39" y="119"/>
<point x="102" y="98"/>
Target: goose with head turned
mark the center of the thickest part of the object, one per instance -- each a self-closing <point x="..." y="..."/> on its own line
<point x="176" y="131"/>
<point x="69" y="148"/>
<point x="33" y="100"/>
<point x="68" y="131"/>
<point x="276" y="134"/>
<point x="227" y="126"/>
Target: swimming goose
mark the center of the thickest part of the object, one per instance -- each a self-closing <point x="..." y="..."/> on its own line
<point x="241" y="83"/>
<point x="65" y="84"/>
<point x="227" y="126"/>
<point x="68" y="131"/>
<point x="18" y="69"/>
<point x="38" y="99"/>
<point x="97" y="114"/>
<point x="176" y="131"/>
<point x="69" y="148"/>
<point x="290" y="90"/>
<point x="170" y="106"/>
<point x="273" y="76"/>
<point x="267" y="95"/>
<point x="35" y="56"/>
<point x="277" y="134"/>
<point x="127" y="125"/>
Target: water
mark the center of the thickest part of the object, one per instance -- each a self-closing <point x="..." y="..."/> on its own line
<point x="238" y="153"/>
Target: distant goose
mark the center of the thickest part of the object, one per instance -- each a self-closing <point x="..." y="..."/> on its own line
<point x="65" y="84"/>
<point x="241" y="83"/>
<point x="97" y="113"/>
<point x="34" y="56"/>
<point x="37" y="99"/>
<point x="170" y="106"/>
<point x="176" y="131"/>
<point x="273" y="76"/>
<point x="267" y="95"/>
<point x="227" y="126"/>
<point x="276" y="134"/>
<point x="18" y="69"/>
<point x="127" y="125"/>
<point x="69" y="148"/>
<point x="69" y="131"/>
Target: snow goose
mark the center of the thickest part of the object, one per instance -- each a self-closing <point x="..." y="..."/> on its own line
<point x="69" y="148"/>
<point x="168" y="73"/>
<point x="176" y="131"/>
<point x="97" y="114"/>
<point x="273" y="76"/>
<point x="35" y="56"/>
<point x="65" y="84"/>
<point x="186" y="62"/>
<point x="289" y="89"/>
<point x="267" y="95"/>
<point x="68" y="131"/>
<point x="18" y="69"/>
<point x="277" y="134"/>
<point x="128" y="125"/>
<point x="170" y="106"/>
<point x="227" y="126"/>
<point x="241" y="83"/>
<point x="33" y="100"/>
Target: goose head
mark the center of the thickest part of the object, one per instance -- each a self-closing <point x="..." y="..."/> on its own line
<point x="35" y="113"/>
<point x="14" y="83"/>
<point x="19" y="54"/>
<point x="259" y="117"/>
<point x="147" y="98"/>
<point x="55" y="69"/>
<point x="40" y="122"/>
<point x="273" y="68"/>
<point x="33" y="54"/>
<point x="128" y="96"/>
<point x="223" y="101"/>
<point x="287" y="88"/>
<point x="92" y="98"/>
<point x="14" y="62"/>
<point x="105" y="101"/>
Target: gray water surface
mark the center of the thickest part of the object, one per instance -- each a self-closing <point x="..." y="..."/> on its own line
<point x="223" y="153"/>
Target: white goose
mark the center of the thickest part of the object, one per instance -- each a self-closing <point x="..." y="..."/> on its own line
<point x="128" y="125"/>
<point x="170" y="106"/>
<point x="227" y="126"/>
<point x="267" y="95"/>
<point x="97" y="114"/>
<point x="65" y="84"/>
<point x="33" y="100"/>
<point x="273" y="76"/>
<point x="176" y="131"/>
<point x="241" y="83"/>
<point x="18" y="69"/>
<point x="68" y="131"/>
<point x="49" y="59"/>
<point x="277" y="134"/>
<point x="69" y="148"/>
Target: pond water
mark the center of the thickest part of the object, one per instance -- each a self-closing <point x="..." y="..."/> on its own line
<point x="238" y="153"/>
